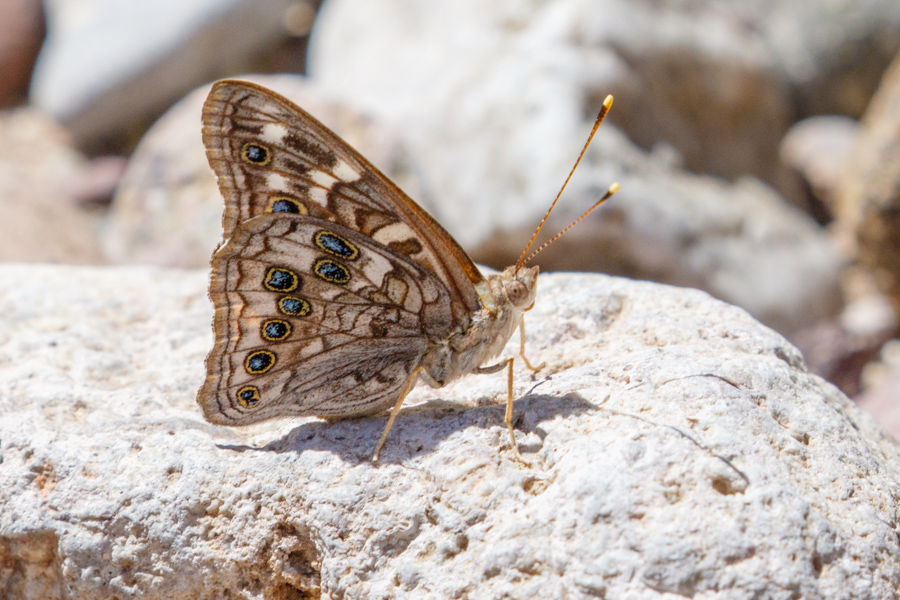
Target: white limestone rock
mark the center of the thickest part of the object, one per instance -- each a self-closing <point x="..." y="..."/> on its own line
<point x="108" y="68"/>
<point x="677" y="447"/>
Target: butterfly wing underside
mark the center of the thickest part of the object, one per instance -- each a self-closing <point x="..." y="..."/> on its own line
<point x="313" y="318"/>
<point x="271" y="156"/>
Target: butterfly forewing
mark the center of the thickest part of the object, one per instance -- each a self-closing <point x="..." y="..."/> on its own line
<point x="270" y="156"/>
<point x="313" y="318"/>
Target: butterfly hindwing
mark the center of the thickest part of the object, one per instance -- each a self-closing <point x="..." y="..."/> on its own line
<point x="270" y="156"/>
<point x="313" y="318"/>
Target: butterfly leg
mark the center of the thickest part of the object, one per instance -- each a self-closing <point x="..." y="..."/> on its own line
<point x="411" y="382"/>
<point x="508" y="365"/>
<point x="522" y="346"/>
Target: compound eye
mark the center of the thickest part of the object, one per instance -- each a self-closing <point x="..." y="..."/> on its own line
<point x="517" y="293"/>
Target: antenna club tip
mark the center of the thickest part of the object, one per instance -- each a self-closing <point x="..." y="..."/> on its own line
<point x="607" y="103"/>
<point x="613" y="188"/>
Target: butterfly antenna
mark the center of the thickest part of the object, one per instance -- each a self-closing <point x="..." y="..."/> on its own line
<point x="607" y="104"/>
<point x="612" y="190"/>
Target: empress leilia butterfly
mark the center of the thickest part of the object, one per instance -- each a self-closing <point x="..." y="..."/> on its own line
<point x="334" y="291"/>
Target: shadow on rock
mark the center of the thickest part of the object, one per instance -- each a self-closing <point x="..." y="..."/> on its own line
<point x="420" y="428"/>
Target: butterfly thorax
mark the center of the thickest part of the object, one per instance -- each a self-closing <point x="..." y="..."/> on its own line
<point x="504" y="297"/>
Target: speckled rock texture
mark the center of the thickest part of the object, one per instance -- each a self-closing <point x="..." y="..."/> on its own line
<point x="675" y="448"/>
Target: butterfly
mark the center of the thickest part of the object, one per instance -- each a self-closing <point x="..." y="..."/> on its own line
<point x="335" y="292"/>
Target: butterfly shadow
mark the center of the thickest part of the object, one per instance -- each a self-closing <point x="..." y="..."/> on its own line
<point x="420" y="428"/>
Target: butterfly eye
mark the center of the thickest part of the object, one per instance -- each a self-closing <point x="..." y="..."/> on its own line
<point x="517" y="293"/>
<point x="248" y="396"/>
<point x="279" y="279"/>
<point x="259" y="362"/>
<point x="256" y="154"/>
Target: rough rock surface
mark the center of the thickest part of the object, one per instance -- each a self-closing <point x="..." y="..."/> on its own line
<point x="676" y="447"/>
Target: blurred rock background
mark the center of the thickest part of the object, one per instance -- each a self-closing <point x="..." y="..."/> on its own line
<point x="757" y="143"/>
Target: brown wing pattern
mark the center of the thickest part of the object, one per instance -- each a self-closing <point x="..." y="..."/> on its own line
<point x="271" y="156"/>
<point x="312" y="318"/>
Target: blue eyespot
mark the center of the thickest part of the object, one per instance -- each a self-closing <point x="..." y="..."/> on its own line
<point x="335" y="244"/>
<point x="332" y="271"/>
<point x="259" y="361"/>
<point x="248" y="396"/>
<point x="279" y="279"/>
<point x="255" y="153"/>
<point x="275" y="330"/>
<point x="293" y="306"/>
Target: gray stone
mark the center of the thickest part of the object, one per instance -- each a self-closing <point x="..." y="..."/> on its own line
<point x="42" y="218"/>
<point x="676" y="447"/>
<point x="819" y="148"/>
<point x="109" y="68"/>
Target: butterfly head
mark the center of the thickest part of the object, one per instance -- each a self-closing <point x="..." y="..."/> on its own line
<point x="520" y="286"/>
